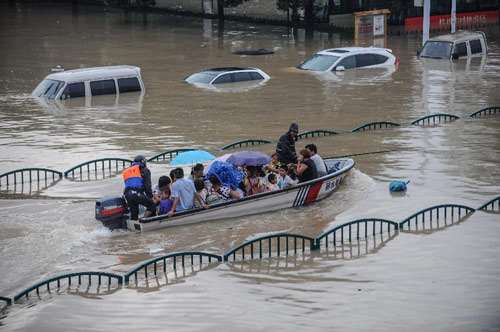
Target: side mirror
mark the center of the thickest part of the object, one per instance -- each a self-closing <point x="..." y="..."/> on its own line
<point x="339" y="68"/>
<point x="455" y="56"/>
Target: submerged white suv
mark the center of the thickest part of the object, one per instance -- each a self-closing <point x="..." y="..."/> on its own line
<point x="338" y="59"/>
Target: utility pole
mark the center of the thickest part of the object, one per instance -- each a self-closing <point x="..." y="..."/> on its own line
<point x="453" y="16"/>
<point x="426" y="27"/>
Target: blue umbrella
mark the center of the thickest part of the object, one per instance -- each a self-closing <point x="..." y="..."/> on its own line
<point x="249" y="158"/>
<point x="192" y="157"/>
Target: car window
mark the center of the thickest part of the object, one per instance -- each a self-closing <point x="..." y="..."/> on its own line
<point x="363" y="60"/>
<point x="460" y="49"/>
<point x="475" y="46"/>
<point x="204" y="77"/>
<point x="129" y="84"/>
<point x="48" y="88"/>
<point x="319" y="62"/>
<point x="348" y="62"/>
<point x="241" y="77"/>
<point x="104" y="87"/>
<point x="256" y="76"/>
<point x="74" y="90"/>
<point x="379" y="59"/>
<point x="436" y="50"/>
<point x="226" y="78"/>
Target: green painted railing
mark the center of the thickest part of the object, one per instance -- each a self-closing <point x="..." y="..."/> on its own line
<point x="491" y="206"/>
<point x="488" y="111"/>
<point x="245" y="143"/>
<point x="168" y="155"/>
<point x="176" y="260"/>
<point x="97" y="166"/>
<point x="29" y="175"/>
<point x="68" y="277"/>
<point x="443" y="212"/>
<point x="268" y="245"/>
<point x="357" y="229"/>
<point x="375" y="126"/>
<point x="435" y="118"/>
<point x="316" y="133"/>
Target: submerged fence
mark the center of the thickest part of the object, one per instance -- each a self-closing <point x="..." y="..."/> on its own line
<point x="38" y="179"/>
<point x="346" y="241"/>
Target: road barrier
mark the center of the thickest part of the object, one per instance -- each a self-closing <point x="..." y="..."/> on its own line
<point x="272" y="246"/>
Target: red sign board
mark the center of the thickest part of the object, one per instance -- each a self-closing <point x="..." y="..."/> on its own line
<point x="441" y="22"/>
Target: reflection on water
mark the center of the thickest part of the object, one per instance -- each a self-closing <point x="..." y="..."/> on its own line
<point x="456" y="162"/>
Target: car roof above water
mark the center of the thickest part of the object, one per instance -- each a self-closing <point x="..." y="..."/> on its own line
<point x="340" y="51"/>
<point x="226" y="69"/>
<point x="86" y="74"/>
<point x="458" y="36"/>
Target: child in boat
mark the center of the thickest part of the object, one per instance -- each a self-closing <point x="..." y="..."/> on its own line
<point x="224" y="192"/>
<point x="272" y="182"/>
<point x="284" y="179"/>
<point x="199" y="185"/>
<point x="253" y="182"/>
<point x="165" y="201"/>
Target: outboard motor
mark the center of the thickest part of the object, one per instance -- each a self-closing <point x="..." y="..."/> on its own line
<point x="112" y="212"/>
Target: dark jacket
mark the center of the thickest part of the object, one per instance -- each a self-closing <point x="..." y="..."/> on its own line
<point x="146" y="177"/>
<point x="286" y="149"/>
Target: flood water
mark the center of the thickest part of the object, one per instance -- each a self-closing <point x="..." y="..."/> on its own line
<point x="441" y="281"/>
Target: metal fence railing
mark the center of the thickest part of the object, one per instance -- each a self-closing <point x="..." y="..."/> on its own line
<point x="434" y="119"/>
<point x="316" y="133"/>
<point x="97" y="169"/>
<point x="375" y="126"/>
<point x="245" y="143"/>
<point x="488" y="111"/>
<point x="168" y="155"/>
<point x="345" y="241"/>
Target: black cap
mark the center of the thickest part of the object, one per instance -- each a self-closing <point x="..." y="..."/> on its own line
<point x="294" y="128"/>
<point x="140" y="159"/>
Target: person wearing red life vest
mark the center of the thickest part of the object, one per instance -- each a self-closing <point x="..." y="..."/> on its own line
<point x="137" y="180"/>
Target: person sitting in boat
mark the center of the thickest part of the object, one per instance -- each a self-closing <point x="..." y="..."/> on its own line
<point x="199" y="185"/>
<point x="166" y="202"/>
<point x="183" y="193"/>
<point x="197" y="172"/>
<point x="253" y="182"/>
<point x="137" y="180"/>
<point x="274" y="164"/>
<point x="224" y="192"/>
<point x="318" y="161"/>
<point x="272" y="182"/>
<point x="284" y="178"/>
<point x="163" y="181"/>
<point x="286" y="145"/>
<point x="305" y="168"/>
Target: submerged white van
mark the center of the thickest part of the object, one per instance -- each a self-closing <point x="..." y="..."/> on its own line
<point x="85" y="82"/>
<point x="455" y="46"/>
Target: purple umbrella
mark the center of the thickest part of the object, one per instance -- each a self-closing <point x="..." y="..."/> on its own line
<point x="249" y="158"/>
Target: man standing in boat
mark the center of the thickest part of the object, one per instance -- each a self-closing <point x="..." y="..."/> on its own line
<point x="137" y="179"/>
<point x="286" y="145"/>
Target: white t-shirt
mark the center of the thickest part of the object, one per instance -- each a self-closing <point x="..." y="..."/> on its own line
<point x="320" y="164"/>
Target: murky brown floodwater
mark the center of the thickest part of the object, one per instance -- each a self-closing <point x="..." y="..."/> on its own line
<point x="447" y="280"/>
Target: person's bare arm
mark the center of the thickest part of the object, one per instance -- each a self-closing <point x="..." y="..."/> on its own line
<point x="174" y="206"/>
<point x="200" y="200"/>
